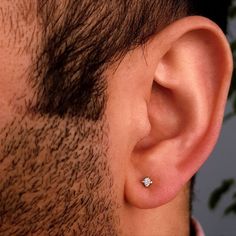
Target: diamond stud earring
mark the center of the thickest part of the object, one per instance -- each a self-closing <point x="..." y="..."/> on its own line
<point x="147" y="182"/>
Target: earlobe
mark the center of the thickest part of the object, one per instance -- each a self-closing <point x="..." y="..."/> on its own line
<point x="185" y="110"/>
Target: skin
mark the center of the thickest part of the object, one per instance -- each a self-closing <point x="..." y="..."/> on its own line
<point x="169" y="138"/>
<point x="55" y="180"/>
<point x="55" y="171"/>
<point x="68" y="175"/>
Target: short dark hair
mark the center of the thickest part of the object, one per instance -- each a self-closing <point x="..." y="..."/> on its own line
<point x="81" y="39"/>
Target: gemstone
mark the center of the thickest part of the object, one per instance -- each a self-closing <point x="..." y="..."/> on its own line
<point x="147" y="182"/>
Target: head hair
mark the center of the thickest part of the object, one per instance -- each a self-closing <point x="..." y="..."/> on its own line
<point x="80" y="39"/>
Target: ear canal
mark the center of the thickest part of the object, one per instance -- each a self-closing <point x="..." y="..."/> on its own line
<point x="185" y="110"/>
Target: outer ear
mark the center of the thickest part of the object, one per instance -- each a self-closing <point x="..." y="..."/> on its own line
<point x="186" y="106"/>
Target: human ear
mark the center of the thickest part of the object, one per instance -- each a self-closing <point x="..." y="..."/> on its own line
<point x="185" y="108"/>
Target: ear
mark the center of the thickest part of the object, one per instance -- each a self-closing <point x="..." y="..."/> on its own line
<point x="186" y="106"/>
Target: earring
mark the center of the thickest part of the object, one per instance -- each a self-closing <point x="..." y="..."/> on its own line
<point x="147" y="182"/>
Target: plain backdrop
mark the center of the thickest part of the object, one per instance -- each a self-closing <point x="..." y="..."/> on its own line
<point x="221" y="165"/>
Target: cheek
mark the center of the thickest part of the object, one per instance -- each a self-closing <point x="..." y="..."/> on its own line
<point x="128" y="124"/>
<point x="118" y="147"/>
<point x="127" y="114"/>
<point x="118" y="116"/>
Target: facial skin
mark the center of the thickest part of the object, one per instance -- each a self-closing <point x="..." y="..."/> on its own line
<point x="54" y="170"/>
<point x="56" y="178"/>
<point x="64" y="171"/>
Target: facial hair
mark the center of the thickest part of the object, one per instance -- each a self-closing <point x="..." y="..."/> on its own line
<point x="55" y="177"/>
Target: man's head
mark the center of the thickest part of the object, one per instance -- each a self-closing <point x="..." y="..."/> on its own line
<point x="95" y="96"/>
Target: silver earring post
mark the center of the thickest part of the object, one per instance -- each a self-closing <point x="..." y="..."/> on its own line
<point x="147" y="182"/>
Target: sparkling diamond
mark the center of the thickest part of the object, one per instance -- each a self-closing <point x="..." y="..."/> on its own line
<point x="147" y="182"/>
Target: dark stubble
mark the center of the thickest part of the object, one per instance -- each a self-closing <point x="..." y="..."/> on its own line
<point x="55" y="178"/>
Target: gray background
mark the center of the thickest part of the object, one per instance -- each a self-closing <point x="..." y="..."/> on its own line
<point x="220" y="165"/>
